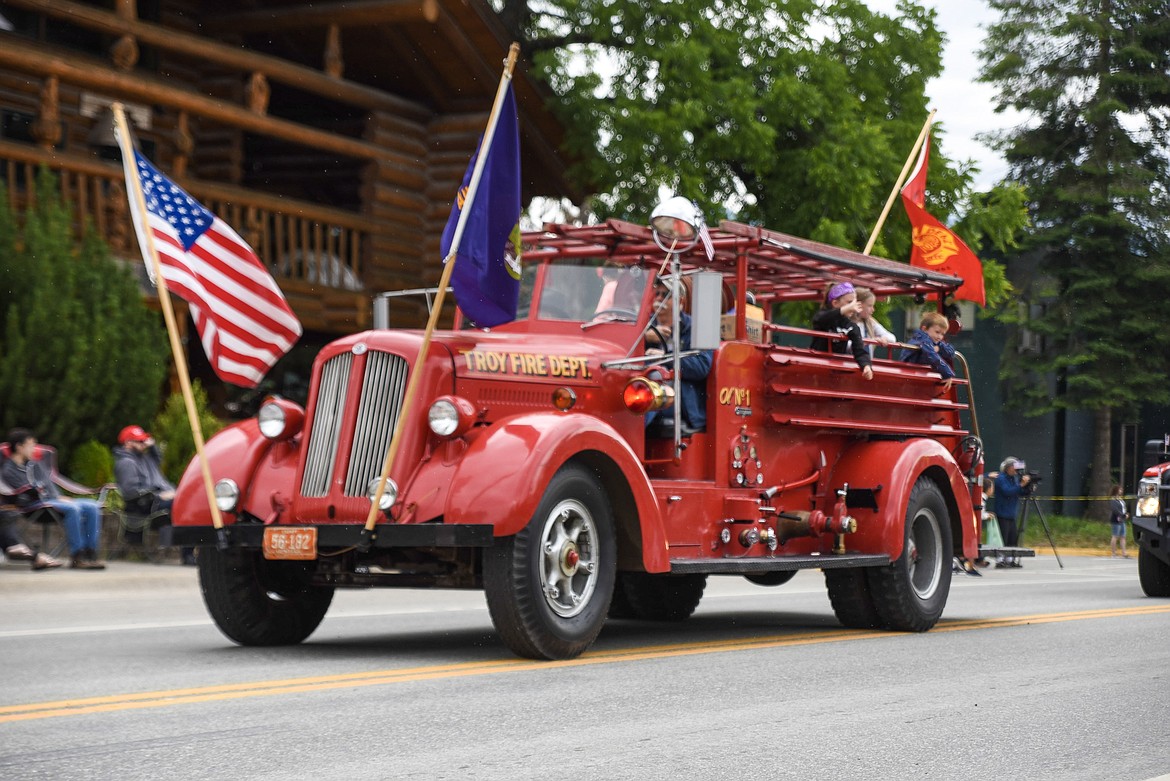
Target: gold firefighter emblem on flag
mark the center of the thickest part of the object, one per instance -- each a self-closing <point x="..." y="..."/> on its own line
<point x="512" y="253"/>
<point x="937" y="245"/>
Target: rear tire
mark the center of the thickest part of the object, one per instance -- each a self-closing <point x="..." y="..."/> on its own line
<point x="548" y="587"/>
<point x="1153" y="574"/>
<point x="255" y="601"/>
<point x="910" y="594"/>
<point x="851" y="598"/>
<point x="653" y="597"/>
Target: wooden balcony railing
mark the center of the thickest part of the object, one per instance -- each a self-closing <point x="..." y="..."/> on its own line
<point x="299" y="242"/>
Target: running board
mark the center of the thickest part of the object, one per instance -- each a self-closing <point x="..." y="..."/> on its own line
<point x="1019" y="553"/>
<point x="777" y="564"/>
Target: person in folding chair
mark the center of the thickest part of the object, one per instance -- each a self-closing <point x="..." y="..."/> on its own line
<point x="32" y="484"/>
<point x="15" y="548"/>
<point x="144" y="488"/>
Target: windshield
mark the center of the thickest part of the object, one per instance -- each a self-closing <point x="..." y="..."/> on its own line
<point x="581" y="289"/>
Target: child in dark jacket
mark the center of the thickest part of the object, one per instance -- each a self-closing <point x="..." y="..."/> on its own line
<point x="839" y="314"/>
<point x="933" y="349"/>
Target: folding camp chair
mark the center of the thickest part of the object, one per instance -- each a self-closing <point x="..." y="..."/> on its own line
<point x="139" y="530"/>
<point x="42" y="514"/>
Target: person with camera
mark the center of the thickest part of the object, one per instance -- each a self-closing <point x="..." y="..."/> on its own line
<point x="1118" y="515"/>
<point x="1010" y="487"/>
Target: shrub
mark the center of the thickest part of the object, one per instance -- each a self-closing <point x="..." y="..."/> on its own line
<point x="172" y="430"/>
<point x="92" y="464"/>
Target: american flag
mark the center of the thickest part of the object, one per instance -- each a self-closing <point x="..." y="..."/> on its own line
<point x="242" y="318"/>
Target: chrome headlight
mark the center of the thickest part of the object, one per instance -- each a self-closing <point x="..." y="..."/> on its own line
<point x="280" y="419"/>
<point x="451" y="416"/>
<point x="443" y="418"/>
<point x="227" y="495"/>
<point x="271" y="419"/>
<point x="1147" y="499"/>
<point x="389" y="495"/>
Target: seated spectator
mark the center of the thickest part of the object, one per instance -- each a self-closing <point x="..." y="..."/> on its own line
<point x="839" y="314"/>
<point x="15" y="548"/>
<point x="27" y="476"/>
<point x="144" y="488"/>
<point x="693" y="369"/>
<point x="933" y="349"/>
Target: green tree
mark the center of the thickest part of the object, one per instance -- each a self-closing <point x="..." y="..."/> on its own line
<point x="172" y="428"/>
<point x="1092" y="78"/>
<point x="82" y="355"/>
<point x="797" y="115"/>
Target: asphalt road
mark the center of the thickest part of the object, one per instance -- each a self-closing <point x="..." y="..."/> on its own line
<point x="1038" y="673"/>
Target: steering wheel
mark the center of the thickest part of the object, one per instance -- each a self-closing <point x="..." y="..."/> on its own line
<point x="627" y="314"/>
<point x="662" y="340"/>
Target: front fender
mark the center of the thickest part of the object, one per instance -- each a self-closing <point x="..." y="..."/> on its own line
<point x="502" y="476"/>
<point x="896" y="466"/>
<point x="260" y="467"/>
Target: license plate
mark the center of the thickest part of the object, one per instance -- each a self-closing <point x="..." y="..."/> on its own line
<point x="296" y="543"/>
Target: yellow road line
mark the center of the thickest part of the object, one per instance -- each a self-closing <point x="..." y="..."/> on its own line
<point x="158" y="699"/>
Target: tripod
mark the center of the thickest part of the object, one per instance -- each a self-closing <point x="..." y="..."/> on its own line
<point x="1030" y="501"/>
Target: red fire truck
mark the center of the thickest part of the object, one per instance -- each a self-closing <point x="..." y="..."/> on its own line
<point x="1151" y="524"/>
<point x="529" y="470"/>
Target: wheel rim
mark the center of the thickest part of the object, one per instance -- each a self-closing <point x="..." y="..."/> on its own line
<point x="925" y="554"/>
<point x="568" y="562"/>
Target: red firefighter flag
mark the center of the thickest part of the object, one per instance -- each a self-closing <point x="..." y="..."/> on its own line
<point x="935" y="247"/>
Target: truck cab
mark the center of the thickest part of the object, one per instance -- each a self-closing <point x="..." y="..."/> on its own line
<point x="523" y="464"/>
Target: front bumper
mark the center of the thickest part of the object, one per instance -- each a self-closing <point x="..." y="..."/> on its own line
<point x="1153" y="536"/>
<point x="420" y="535"/>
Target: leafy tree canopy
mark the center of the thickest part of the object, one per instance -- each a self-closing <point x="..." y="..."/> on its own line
<point x="82" y="356"/>
<point x="797" y="115"/>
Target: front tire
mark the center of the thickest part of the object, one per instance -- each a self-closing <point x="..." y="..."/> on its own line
<point x="548" y="587"/>
<point x="255" y="601"/>
<point x="1153" y="574"/>
<point x="909" y="595"/>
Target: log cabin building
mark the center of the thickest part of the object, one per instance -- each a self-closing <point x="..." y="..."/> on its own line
<point x="332" y="135"/>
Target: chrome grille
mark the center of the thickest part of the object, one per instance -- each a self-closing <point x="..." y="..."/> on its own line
<point x="383" y="388"/>
<point x="322" y="454"/>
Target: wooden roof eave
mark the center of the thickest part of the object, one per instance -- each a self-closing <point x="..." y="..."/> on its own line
<point x="182" y="42"/>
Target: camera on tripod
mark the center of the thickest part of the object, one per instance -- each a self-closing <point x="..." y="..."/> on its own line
<point x="1034" y="479"/>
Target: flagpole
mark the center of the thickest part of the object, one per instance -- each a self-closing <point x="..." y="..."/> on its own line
<point x="164" y="298"/>
<point x="901" y="180"/>
<point x="432" y="321"/>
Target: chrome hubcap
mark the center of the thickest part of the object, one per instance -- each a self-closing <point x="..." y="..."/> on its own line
<point x="568" y="564"/>
<point x="925" y="554"/>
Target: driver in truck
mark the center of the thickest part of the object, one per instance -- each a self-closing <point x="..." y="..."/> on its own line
<point x="693" y="368"/>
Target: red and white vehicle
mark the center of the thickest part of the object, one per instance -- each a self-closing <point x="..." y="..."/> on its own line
<point x="528" y="471"/>
<point x="1151" y="527"/>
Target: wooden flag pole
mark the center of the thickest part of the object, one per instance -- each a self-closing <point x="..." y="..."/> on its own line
<point x="901" y="180"/>
<point x="164" y="298"/>
<point x="432" y="321"/>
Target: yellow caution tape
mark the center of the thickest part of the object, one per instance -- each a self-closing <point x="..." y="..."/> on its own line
<point x="1079" y="498"/>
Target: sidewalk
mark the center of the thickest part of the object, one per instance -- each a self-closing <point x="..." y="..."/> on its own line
<point x="18" y="576"/>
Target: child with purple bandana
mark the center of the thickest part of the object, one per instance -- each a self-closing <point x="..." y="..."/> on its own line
<point x="839" y="314"/>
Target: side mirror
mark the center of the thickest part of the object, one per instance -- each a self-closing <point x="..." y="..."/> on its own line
<point x="706" y="309"/>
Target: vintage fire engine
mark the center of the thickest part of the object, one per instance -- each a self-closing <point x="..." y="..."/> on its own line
<point x="529" y="470"/>
<point x="1151" y="526"/>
